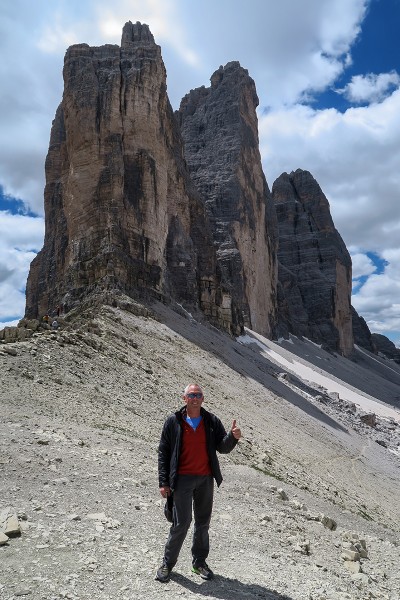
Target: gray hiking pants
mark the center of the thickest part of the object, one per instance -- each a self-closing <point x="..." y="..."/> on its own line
<point x="198" y="489"/>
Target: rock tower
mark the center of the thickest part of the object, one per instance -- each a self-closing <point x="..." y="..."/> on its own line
<point x="121" y="210"/>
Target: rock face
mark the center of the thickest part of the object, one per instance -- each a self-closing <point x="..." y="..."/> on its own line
<point x="314" y="265"/>
<point x="144" y="202"/>
<point x="381" y="343"/>
<point x="220" y="130"/>
<point x="374" y="342"/>
<point x="121" y="211"/>
<point x="361" y="333"/>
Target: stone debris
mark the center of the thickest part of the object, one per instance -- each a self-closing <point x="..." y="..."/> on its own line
<point x="369" y="419"/>
<point x="97" y="517"/>
<point x="363" y="580"/>
<point x="354" y="548"/>
<point x="353" y="542"/>
<point x="9" y="350"/>
<point x="9" y="523"/>
<point x="3" y="538"/>
<point x="88" y="505"/>
<point x="328" y="522"/>
<point x="74" y="517"/>
<point x="304" y="547"/>
<point x="297" y="505"/>
<point x="352" y="566"/>
<point x="350" y="553"/>
<point x="282" y="494"/>
<point x="264" y="518"/>
<point x="10" y="526"/>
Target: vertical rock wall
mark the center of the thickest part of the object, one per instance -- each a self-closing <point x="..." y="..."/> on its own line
<point x="121" y="211"/>
<point x="361" y="333"/>
<point x="314" y="265"/>
<point x="220" y="131"/>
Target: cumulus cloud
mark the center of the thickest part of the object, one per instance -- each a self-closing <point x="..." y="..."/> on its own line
<point x="20" y="232"/>
<point x="31" y="84"/>
<point x="378" y="299"/>
<point x="291" y="49"/>
<point x="164" y="19"/>
<point x="354" y="157"/>
<point x="20" y="238"/>
<point x="370" y="88"/>
<point x="362" y="265"/>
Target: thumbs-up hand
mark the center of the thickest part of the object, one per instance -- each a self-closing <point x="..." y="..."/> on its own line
<point x="236" y="430"/>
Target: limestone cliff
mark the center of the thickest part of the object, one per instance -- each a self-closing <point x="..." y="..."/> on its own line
<point x="374" y="342"/>
<point x="314" y="265"/>
<point x="121" y="211"/>
<point x="382" y="344"/>
<point x="177" y="207"/>
<point x="361" y="333"/>
<point x="220" y="132"/>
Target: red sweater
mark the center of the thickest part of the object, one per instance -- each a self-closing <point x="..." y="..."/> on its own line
<point x="194" y="459"/>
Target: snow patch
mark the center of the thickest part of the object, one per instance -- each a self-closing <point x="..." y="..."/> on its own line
<point x="307" y="372"/>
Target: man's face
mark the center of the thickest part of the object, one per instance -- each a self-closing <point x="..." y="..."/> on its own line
<point x="194" y="396"/>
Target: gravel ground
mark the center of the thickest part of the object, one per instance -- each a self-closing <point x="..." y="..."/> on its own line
<point x="81" y="413"/>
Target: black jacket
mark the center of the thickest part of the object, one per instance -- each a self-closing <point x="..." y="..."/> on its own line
<point x="171" y="441"/>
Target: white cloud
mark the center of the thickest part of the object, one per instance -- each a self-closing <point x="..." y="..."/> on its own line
<point x="20" y="236"/>
<point x="163" y="16"/>
<point x="291" y="49"/>
<point x="354" y="157"/>
<point x="20" y="232"/>
<point x="378" y="299"/>
<point x="362" y="265"/>
<point x="310" y="48"/>
<point x="370" y="87"/>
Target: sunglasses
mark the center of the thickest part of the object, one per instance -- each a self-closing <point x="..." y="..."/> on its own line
<point x="193" y="395"/>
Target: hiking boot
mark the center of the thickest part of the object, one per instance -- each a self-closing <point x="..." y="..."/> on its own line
<point x="203" y="570"/>
<point x="163" y="573"/>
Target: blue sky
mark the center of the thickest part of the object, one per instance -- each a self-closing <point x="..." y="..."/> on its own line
<point x="327" y="74"/>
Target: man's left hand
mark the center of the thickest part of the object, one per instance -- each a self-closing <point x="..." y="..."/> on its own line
<point x="236" y="430"/>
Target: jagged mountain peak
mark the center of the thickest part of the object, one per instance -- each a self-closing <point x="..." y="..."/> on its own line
<point x="314" y="264"/>
<point x="136" y="33"/>
<point x="177" y="206"/>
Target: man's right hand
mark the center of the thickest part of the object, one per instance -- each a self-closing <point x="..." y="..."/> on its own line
<point x="165" y="491"/>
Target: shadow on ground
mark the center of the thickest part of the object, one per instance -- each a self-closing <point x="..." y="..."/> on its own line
<point x="246" y="360"/>
<point x="224" y="588"/>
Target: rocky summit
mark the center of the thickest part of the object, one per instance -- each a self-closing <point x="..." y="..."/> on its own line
<point x="314" y="264"/>
<point x="220" y="131"/>
<point x="121" y="210"/>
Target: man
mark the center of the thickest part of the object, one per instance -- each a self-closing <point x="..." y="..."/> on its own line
<point x="187" y="467"/>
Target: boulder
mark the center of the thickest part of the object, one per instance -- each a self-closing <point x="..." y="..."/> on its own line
<point x="3" y="539"/>
<point x="328" y="522"/>
<point x="369" y="419"/>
